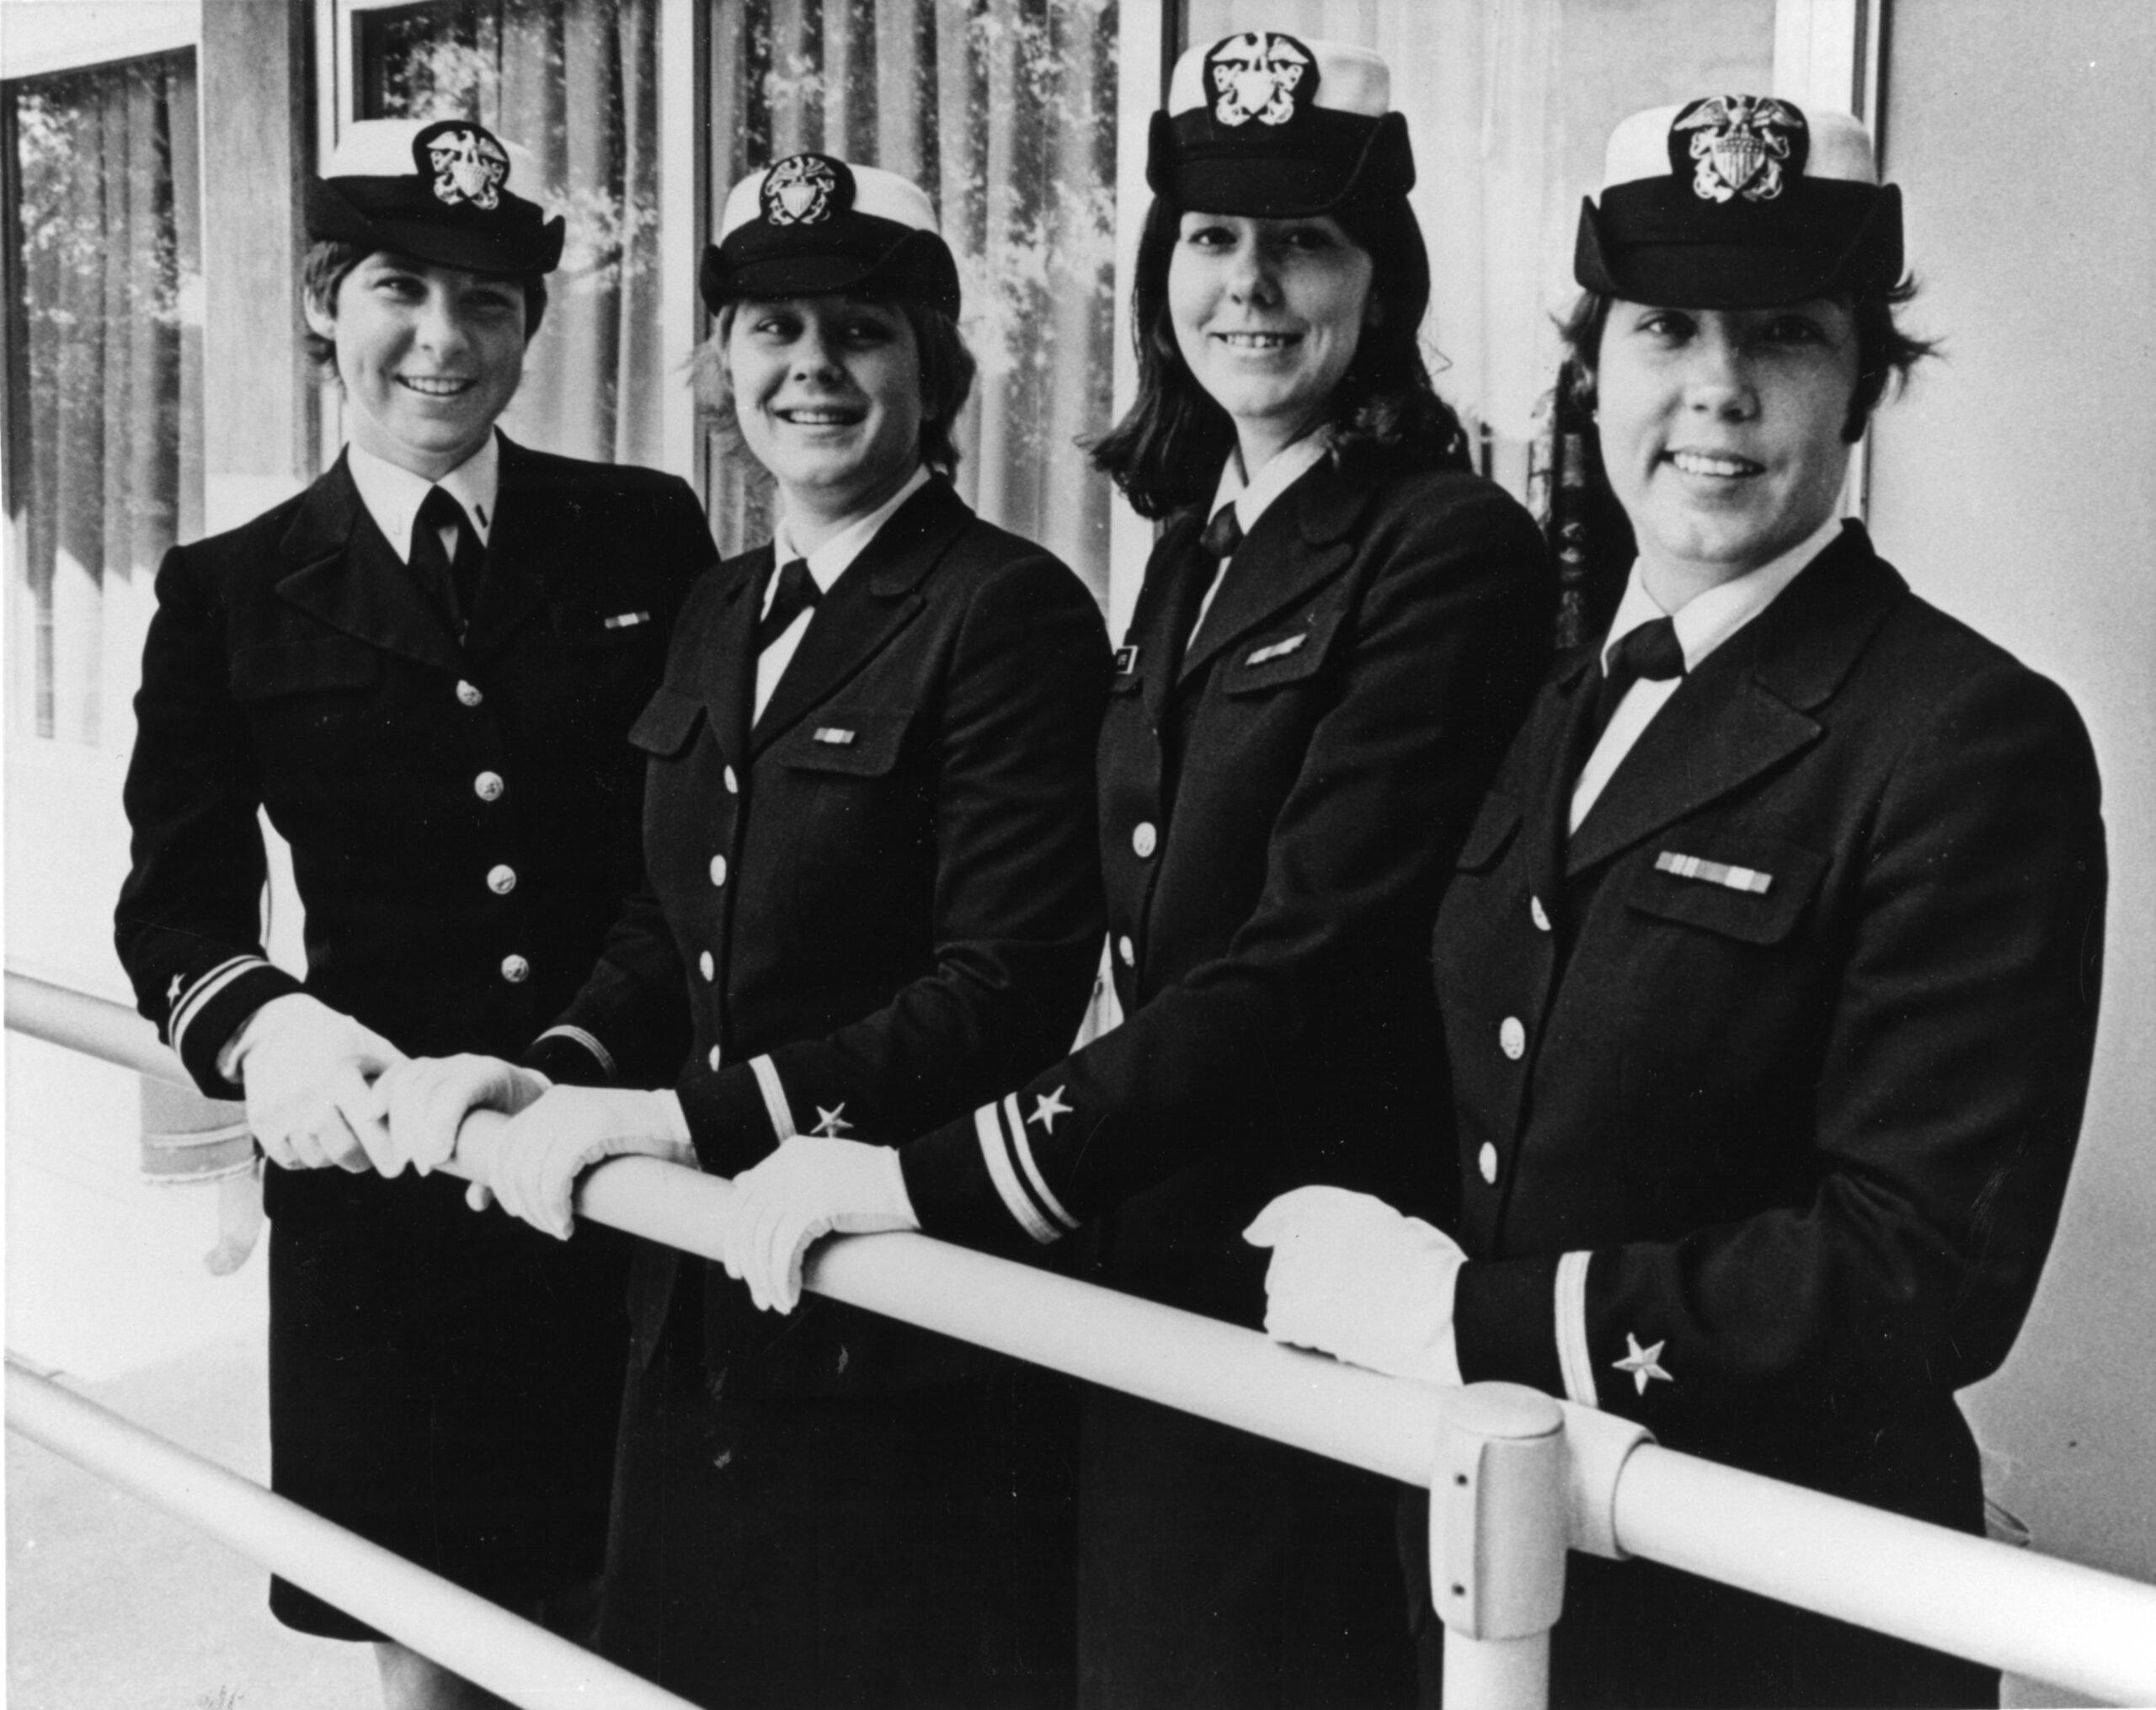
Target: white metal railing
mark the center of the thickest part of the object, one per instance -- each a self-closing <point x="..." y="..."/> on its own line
<point x="461" y="1630"/>
<point x="1517" y="1478"/>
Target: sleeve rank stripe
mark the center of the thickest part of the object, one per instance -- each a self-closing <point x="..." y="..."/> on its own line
<point x="1574" y="1358"/>
<point x="606" y="1058"/>
<point x="774" y="1091"/>
<point x="190" y="1003"/>
<point x="1022" y="1149"/>
<point x="988" y="1127"/>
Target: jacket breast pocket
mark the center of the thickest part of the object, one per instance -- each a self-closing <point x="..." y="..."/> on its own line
<point x="269" y="671"/>
<point x="1275" y="657"/>
<point x="1752" y="889"/>
<point x="852" y="742"/>
<point x="668" y="720"/>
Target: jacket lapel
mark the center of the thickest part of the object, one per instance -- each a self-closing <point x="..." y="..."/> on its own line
<point x="1299" y="543"/>
<point x="869" y="604"/>
<point x="1557" y="748"/>
<point x="1749" y="707"/>
<point x="1165" y="604"/>
<point x="726" y="668"/>
<point x="525" y="556"/>
<point x="348" y="576"/>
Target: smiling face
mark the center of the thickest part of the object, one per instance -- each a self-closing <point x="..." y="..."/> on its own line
<point x="1267" y="314"/>
<point x="828" y="393"/>
<point x="429" y="357"/>
<point x="1721" y="431"/>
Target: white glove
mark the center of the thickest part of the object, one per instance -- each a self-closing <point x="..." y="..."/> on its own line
<point x="538" y="1156"/>
<point x="808" y="1189"/>
<point x="1353" y="1278"/>
<point x="309" y="1073"/>
<point x="427" y="1098"/>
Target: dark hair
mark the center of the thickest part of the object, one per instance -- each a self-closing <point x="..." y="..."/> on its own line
<point x="323" y="268"/>
<point x="946" y="378"/>
<point x="1167" y="450"/>
<point x="1885" y="353"/>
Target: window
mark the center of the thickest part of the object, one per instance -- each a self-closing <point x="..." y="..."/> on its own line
<point x="104" y="396"/>
<point x="1005" y="112"/>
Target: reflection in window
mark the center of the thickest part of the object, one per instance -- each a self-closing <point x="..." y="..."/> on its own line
<point x="576" y="83"/>
<point x="105" y="359"/>
<point x="1005" y="112"/>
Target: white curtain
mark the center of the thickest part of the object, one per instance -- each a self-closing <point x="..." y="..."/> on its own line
<point x="105" y="360"/>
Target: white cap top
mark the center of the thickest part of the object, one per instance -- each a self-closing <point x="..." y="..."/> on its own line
<point x="1840" y="147"/>
<point x="885" y="195"/>
<point x="1262" y="65"/>
<point x="382" y="148"/>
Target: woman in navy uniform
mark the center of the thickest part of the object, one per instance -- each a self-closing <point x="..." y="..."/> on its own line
<point x="1338" y="633"/>
<point x="1770" y="970"/>
<point x="424" y="670"/>
<point x="872" y="897"/>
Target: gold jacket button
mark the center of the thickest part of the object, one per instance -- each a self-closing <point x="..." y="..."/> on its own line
<point x="469" y="694"/>
<point x="515" y="970"/>
<point x="718" y="870"/>
<point x="1128" y="951"/>
<point x="714" y="1059"/>
<point x="707" y="966"/>
<point x="1537" y="913"/>
<point x="1512" y="1038"/>
<point x="502" y="880"/>
<point x="733" y="783"/>
<point x="1486" y="1161"/>
<point x="1144" y="840"/>
<point x="487" y="787"/>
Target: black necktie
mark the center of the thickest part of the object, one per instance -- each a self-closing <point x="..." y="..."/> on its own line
<point x="1649" y="653"/>
<point x="452" y="578"/>
<point x="1223" y="534"/>
<point x="798" y="592"/>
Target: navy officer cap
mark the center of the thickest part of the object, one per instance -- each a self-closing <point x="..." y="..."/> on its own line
<point x="1739" y="201"/>
<point x="811" y="224"/>
<point x="1275" y="126"/>
<point x="436" y="190"/>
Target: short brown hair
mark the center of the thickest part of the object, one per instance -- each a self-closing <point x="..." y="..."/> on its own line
<point x="1885" y="353"/>
<point x="947" y="369"/>
<point x="323" y="268"/>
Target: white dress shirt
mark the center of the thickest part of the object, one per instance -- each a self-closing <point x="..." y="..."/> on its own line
<point x="393" y="495"/>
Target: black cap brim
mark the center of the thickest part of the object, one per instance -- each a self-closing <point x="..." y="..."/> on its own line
<point x="853" y="253"/>
<point x="1660" y="264"/>
<point x="526" y="243"/>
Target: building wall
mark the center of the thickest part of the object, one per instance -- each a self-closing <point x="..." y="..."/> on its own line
<point x="2016" y="486"/>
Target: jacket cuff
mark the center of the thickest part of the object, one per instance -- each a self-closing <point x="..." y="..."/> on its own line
<point x="1504" y="1323"/>
<point x="205" y="1014"/>
<point x="729" y="1122"/>
<point x="571" y="1057"/>
<point x="969" y="1185"/>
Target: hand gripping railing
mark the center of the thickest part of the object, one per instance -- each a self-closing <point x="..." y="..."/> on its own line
<point x="1516" y="1478"/>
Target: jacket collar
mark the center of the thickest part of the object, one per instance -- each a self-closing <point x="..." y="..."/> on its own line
<point x="1749" y="705"/>
<point x="876" y="598"/>
<point x="345" y="573"/>
<point x="1299" y="543"/>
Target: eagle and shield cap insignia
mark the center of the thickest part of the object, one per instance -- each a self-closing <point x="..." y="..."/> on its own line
<point x="1261" y="75"/>
<point x="437" y="189"/>
<point x="461" y="163"/>
<point x="1739" y="146"/>
<point x="806" y="189"/>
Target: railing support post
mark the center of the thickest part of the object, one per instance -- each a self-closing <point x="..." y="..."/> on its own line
<point x="1497" y="1542"/>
